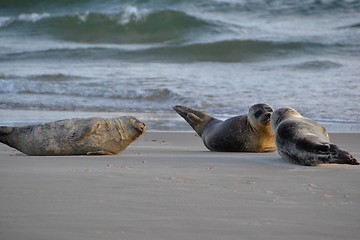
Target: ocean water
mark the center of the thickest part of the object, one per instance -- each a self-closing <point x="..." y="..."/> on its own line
<point x="91" y="57"/>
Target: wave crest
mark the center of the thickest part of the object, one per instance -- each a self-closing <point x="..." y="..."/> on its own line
<point x="131" y="25"/>
<point x="74" y="86"/>
<point x="220" y="51"/>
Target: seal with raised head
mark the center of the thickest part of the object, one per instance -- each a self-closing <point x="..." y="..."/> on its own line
<point x="245" y="133"/>
<point x="304" y="141"/>
<point x="78" y="136"/>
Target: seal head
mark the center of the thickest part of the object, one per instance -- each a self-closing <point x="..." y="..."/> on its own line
<point x="259" y="116"/>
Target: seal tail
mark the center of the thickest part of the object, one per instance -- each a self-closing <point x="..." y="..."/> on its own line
<point x="195" y="118"/>
<point x="340" y="156"/>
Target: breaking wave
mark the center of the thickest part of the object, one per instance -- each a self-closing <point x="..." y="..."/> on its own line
<point x="132" y="25"/>
<point x="221" y="51"/>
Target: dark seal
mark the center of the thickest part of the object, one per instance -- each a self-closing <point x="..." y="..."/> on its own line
<point x="245" y="133"/>
<point x="304" y="141"/>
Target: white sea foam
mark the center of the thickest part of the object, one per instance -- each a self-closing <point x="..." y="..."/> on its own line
<point x="83" y="16"/>
<point x="131" y="13"/>
<point x="33" y="17"/>
<point x="4" y="21"/>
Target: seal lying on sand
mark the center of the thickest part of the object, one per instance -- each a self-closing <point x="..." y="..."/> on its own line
<point x="246" y="133"/>
<point x="302" y="140"/>
<point x="78" y="136"/>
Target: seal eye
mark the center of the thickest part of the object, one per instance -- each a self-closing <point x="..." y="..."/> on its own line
<point x="258" y="113"/>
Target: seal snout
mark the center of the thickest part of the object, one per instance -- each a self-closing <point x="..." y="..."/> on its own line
<point x="267" y="116"/>
<point x="140" y="126"/>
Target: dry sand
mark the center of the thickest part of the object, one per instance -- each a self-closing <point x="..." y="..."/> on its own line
<point x="168" y="186"/>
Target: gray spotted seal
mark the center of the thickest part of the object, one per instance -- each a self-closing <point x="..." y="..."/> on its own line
<point x="304" y="141"/>
<point x="78" y="136"/>
<point x="245" y="133"/>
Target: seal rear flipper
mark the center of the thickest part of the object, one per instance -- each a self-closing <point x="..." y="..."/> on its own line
<point x="340" y="156"/>
<point x="195" y="118"/>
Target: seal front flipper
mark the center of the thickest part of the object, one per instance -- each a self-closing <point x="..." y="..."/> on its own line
<point x="195" y="118"/>
<point x="311" y="145"/>
<point x="100" y="153"/>
<point x="85" y="132"/>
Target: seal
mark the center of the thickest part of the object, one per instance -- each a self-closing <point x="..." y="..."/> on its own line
<point x="304" y="141"/>
<point x="244" y="133"/>
<point x="78" y="136"/>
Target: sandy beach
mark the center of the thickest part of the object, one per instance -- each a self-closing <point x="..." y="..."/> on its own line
<point x="167" y="185"/>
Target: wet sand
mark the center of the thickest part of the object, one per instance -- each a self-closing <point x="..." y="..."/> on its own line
<point x="167" y="185"/>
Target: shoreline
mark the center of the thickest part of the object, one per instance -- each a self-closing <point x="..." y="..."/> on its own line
<point x="157" y="121"/>
<point x="167" y="185"/>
